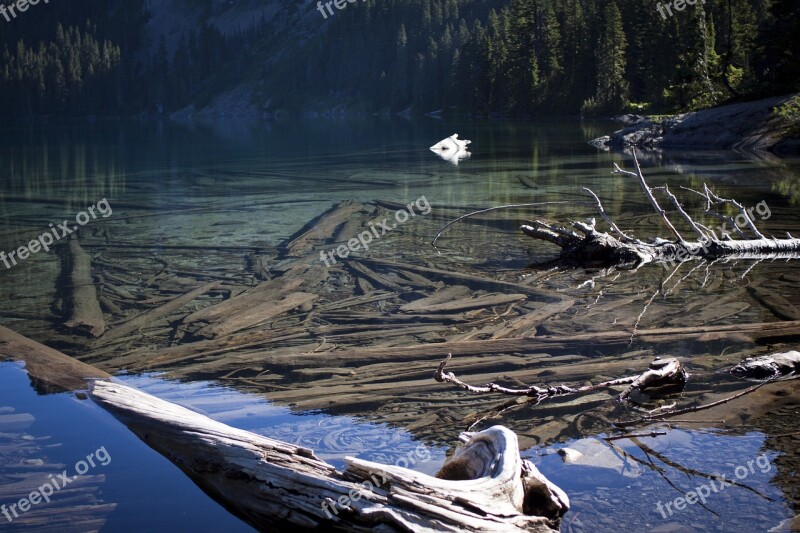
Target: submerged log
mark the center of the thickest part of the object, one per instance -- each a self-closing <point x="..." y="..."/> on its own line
<point x="269" y="483"/>
<point x="153" y="315"/>
<point x="326" y="228"/>
<point x="84" y="309"/>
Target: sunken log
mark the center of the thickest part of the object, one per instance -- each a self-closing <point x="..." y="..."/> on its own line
<point x="85" y="314"/>
<point x="273" y="484"/>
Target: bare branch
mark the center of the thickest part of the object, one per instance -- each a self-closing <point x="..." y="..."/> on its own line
<point x="693" y="409"/>
<point x="742" y="211"/>
<point x="683" y="213"/>
<point x="649" y="193"/>
<point x="662" y="373"/>
<point x="606" y="217"/>
<point x="509" y="206"/>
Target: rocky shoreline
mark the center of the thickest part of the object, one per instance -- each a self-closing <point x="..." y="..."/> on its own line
<point x="750" y="126"/>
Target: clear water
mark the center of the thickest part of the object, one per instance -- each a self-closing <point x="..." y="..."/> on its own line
<point x="238" y="186"/>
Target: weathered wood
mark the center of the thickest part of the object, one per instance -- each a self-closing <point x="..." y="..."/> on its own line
<point x="158" y="313"/>
<point x="663" y="374"/>
<point x="325" y="228"/>
<point x="769" y="366"/>
<point x="302" y="275"/>
<point x="84" y="309"/>
<point x="274" y="484"/>
<point x="780" y="306"/>
<point x="522" y="324"/>
<point x="474" y="282"/>
<point x="375" y="278"/>
<point x="259" y="314"/>
<point x="588" y="246"/>
<point x="599" y="248"/>
<point x="447" y="294"/>
<point x="299" y="358"/>
<point x="464" y="304"/>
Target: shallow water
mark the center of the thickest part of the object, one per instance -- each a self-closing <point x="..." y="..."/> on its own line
<point x="204" y="196"/>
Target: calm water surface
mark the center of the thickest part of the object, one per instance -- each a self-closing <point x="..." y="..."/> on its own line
<point x="250" y="185"/>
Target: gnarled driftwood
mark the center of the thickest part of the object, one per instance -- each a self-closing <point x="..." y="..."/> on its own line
<point x="487" y="487"/>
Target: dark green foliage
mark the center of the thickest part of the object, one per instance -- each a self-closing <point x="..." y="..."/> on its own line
<point x="503" y="57"/>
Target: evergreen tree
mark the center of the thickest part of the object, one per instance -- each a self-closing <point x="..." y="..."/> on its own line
<point x="612" y="88"/>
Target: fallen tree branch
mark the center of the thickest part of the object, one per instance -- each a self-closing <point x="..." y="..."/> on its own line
<point x="481" y="211"/>
<point x="589" y="246"/>
<point x="663" y="373"/>
<point x="693" y="409"/>
<point x="652" y="434"/>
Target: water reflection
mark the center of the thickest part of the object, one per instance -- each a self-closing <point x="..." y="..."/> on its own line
<point x="635" y="484"/>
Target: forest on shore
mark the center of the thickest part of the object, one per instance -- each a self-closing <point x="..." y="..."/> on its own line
<point x="478" y="57"/>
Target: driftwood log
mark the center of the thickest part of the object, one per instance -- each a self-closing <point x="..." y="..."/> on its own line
<point x="269" y="483"/>
<point x="589" y="246"/>
<point x="487" y="486"/>
<point x="777" y="365"/>
<point x="663" y="374"/>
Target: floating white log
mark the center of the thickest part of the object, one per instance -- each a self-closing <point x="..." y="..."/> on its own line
<point x="452" y="149"/>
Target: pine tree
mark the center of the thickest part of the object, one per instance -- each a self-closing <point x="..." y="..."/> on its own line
<point x="612" y="88"/>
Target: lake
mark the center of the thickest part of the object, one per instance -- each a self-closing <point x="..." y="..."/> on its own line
<point x="213" y="205"/>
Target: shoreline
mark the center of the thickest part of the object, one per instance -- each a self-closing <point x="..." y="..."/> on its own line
<point x="752" y="126"/>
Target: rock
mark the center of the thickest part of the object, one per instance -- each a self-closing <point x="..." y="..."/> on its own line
<point x="629" y="119"/>
<point x="593" y="454"/>
<point x="748" y="125"/>
<point x="646" y="134"/>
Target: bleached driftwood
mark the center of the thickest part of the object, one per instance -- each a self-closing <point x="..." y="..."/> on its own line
<point x="588" y="246"/>
<point x="663" y="375"/>
<point x="452" y="149"/>
<point x="269" y="483"/>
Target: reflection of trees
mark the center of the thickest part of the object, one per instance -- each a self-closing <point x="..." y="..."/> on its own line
<point x="789" y="186"/>
<point x="75" y="173"/>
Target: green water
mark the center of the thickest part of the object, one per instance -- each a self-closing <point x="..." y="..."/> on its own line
<point x="231" y="188"/>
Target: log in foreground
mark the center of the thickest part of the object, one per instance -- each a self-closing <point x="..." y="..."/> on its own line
<point x="487" y="486"/>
